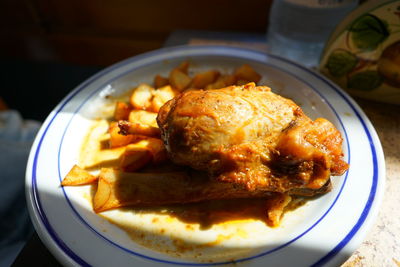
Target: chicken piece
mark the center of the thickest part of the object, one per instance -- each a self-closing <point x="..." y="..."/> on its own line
<point x="253" y="138"/>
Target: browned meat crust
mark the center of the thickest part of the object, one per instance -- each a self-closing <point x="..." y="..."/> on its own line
<point x="252" y="138"/>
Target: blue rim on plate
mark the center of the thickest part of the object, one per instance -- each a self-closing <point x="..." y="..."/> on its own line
<point x="211" y="50"/>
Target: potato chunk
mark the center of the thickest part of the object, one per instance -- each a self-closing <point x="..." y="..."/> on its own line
<point x="141" y="96"/>
<point x="247" y="73"/>
<point x="78" y="176"/>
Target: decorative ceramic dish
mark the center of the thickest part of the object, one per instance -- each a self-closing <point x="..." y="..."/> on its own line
<point x="363" y="53"/>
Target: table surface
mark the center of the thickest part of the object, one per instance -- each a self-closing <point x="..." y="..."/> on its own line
<point x="381" y="247"/>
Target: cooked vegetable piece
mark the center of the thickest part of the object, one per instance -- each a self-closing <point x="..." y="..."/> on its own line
<point x="201" y="80"/>
<point x="155" y="146"/>
<point x="242" y="82"/>
<point x="162" y="96"/>
<point x="135" y="158"/>
<point x="117" y="139"/>
<point x="179" y="80"/>
<point x="121" y="111"/>
<point x="78" y="176"/>
<point x="160" y="81"/>
<point x="143" y="117"/>
<point x="222" y="81"/>
<point x="246" y="72"/>
<point x="138" y="154"/>
<point x="96" y="152"/>
<point x="275" y="208"/>
<point x="141" y="96"/>
<point x="184" y="67"/>
<point x="127" y="127"/>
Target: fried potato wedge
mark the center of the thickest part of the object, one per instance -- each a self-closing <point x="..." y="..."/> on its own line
<point x="96" y="152"/>
<point x="121" y="111"/>
<point x="78" y="176"/>
<point x="153" y="145"/>
<point x="141" y="96"/>
<point x="201" y="80"/>
<point x="137" y="128"/>
<point x="162" y="96"/>
<point x="247" y="73"/>
<point x="223" y="81"/>
<point x="160" y="81"/>
<point x="275" y="207"/>
<point x="138" y="154"/>
<point x="184" y="67"/>
<point x="108" y="157"/>
<point x="117" y="139"/>
<point x="143" y="117"/>
<point x="179" y="80"/>
<point x="135" y="158"/>
<point x="242" y="82"/>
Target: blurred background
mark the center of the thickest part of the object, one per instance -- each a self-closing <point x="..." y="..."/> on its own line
<point x="48" y="47"/>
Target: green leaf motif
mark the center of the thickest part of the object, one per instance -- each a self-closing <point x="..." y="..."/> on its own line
<point x="365" y="81"/>
<point x="368" y="31"/>
<point x="340" y="62"/>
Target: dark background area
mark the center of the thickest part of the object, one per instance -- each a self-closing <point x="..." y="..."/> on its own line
<point x="48" y="47"/>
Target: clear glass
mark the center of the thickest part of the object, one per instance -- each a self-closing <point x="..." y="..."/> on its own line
<point x="298" y="29"/>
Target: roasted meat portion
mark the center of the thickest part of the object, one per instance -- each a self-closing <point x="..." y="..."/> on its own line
<point x="252" y="138"/>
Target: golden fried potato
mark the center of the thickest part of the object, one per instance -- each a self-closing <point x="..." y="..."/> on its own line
<point x="134" y="158"/>
<point x="155" y="146"/>
<point x="96" y="152"/>
<point x="246" y="72"/>
<point x="160" y="81"/>
<point x="201" y="80"/>
<point x="275" y="207"/>
<point x="143" y="117"/>
<point x="242" y="82"/>
<point x="141" y="96"/>
<point x="138" y="154"/>
<point x="121" y="111"/>
<point x="179" y="80"/>
<point x="117" y="139"/>
<point x="78" y="176"/>
<point x="184" y="67"/>
<point x="223" y="81"/>
<point x="137" y="128"/>
<point x="162" y="96"/>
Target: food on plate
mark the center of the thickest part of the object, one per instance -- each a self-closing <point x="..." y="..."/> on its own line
<point x="137" y="128"/>
<point x="141" y="97"/>
<point x="115" y="189"/>
<point x="201" y="80"/>
<point x="220" y="135"/>
<point x="251" y="137"/>
<point x="161" y="96"/>
<point x="246" y="74"/>
<point x="78" y="176"/>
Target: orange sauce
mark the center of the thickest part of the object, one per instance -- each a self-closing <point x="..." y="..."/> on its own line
<point x="209" y="213"/>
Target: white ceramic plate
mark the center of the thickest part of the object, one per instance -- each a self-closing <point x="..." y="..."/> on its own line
<point x="325" y="231"/>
